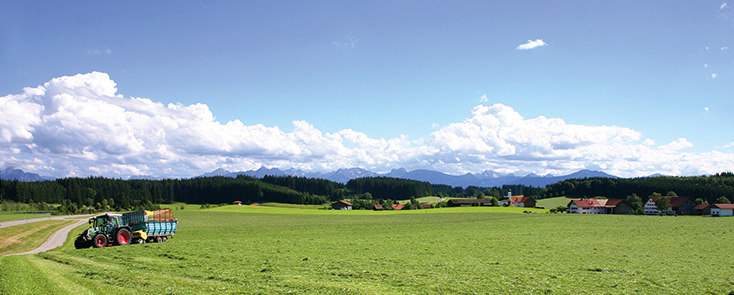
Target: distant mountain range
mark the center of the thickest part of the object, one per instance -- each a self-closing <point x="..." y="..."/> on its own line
<point x="484" y="179"/>
<point x="12" y="173"/>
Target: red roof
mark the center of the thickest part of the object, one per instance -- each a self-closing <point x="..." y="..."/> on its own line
<point x="237" y="202"/>
<point x="724" y="206"/>
<point x="701" y="206"/>
<point x="398" y="206"/>
<point x="588" y="203"/>
<point x="343" y="202"/>
<point x="379" y="207"/>
<point x="520" y="199"/>
<point x="675" y="202"/>
<point x="597" y="203"/>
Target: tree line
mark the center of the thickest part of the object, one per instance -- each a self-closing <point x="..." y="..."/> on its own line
<point x="707" y="188"/>
<point x="100" y="193"/>
<point x="77" y="195"/>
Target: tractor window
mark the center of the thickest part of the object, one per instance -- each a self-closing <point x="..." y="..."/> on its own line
<point x="99" y="222"/>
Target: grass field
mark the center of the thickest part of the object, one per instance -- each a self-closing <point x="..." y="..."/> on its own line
<point x="24" y="237"/>
<point x="268" y="250"/>
<point x="422" y="200"/>
<point x="20" y="216"/>
<point x="550" y="203"/>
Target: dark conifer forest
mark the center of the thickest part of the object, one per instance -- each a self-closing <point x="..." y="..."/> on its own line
<point x="100" y="193"/>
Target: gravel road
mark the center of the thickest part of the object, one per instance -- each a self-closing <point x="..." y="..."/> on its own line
<point x="57" y="239"/>
<point x="24" y="221"/>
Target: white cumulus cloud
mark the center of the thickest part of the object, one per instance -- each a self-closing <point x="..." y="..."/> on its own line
<point x="79" y="126"/>
<point x="531" y="44"/>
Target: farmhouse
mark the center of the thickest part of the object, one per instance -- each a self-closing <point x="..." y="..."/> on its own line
<point x="678" y="205"/>
<point x="341" y="205"/>
<point x="378" y="208"/>
<point x="523" y="202"/>
<point x="503" y="201"/>
<point x="599" y="206"/>
<point x="702" y="209"/>
<point x="462" y="202"/>
<point x="398" y="206"/>
<point x="469" y="202"/>
<point x="722" y="210"/>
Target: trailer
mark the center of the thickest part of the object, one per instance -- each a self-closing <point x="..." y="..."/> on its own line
<point x="151" y="226"/>
<point x="132" y="227"/>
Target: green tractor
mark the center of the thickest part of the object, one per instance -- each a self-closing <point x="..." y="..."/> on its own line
<point x="106" y="229"/>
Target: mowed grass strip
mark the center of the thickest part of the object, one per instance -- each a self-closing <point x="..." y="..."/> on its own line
<point x="20" y="216"/>
<point x="460" y="253"/>
<point x="25" y="237"/>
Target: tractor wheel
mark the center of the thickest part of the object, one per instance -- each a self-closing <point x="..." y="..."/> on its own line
<point x="123" y="236"/>
<point x="99" y="241"/>
<point x="81" y="243"/>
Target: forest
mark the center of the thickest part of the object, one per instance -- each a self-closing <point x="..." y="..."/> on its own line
<point x="76" y="195"/>
<point x="708" y="188"/>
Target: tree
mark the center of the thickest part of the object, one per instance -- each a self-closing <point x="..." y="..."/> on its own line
<point x="671" y="194"/>
<point x="493" y="201"/>
<point x="723" y="200"/>
<point x="701" y="201"/>
<point x="663" y="204"/>
<point x="636" y="203"/>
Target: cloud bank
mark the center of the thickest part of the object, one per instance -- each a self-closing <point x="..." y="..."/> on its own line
<point x="79" y="126"/>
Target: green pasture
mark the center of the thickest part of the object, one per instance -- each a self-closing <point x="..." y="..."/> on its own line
<point x="550" y="203"/>
<point x="28" y="236"/>
<point x="423" y="200"/>
<point x="177" y="206"/>
<point x="275" y="250"/>
<point x="20" y="216"/>
<point x="296" y="206"/>
<point x="286" y="210"/>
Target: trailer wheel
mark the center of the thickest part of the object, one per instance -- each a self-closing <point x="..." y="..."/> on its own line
<point x="123" y="237"/>
<point x="158" y="239"/>
<point x="164" y="239"/>
<point x="99" y="241"/>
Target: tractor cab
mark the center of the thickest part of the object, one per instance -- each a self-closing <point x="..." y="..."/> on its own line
<point x="105" y="221"/>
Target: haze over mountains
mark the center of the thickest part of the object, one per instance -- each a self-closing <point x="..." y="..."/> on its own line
<point x="484" y="179"/>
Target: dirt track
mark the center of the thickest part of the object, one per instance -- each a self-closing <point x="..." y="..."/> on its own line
<point x="57" y="239"/>
<point x="24" y="221"/>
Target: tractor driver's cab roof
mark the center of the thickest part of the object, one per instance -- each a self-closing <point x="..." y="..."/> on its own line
<point x="104" y="215"/>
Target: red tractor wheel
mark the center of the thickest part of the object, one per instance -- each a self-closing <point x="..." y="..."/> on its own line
<point x="99" y="241"/>
<point x="123" y="237"/>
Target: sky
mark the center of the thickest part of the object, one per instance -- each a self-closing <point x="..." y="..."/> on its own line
<point x="181" y="88"/>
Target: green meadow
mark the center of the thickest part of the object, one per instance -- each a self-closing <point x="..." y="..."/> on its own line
<point x="553" y="202"/>
<point x="20" y="216"/>
<point x="276" y="250"/>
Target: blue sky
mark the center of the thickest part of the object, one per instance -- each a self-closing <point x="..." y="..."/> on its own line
<point x="412" y="78"/>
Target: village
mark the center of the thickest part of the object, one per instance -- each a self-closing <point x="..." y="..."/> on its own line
<point x="678" y="206"/>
